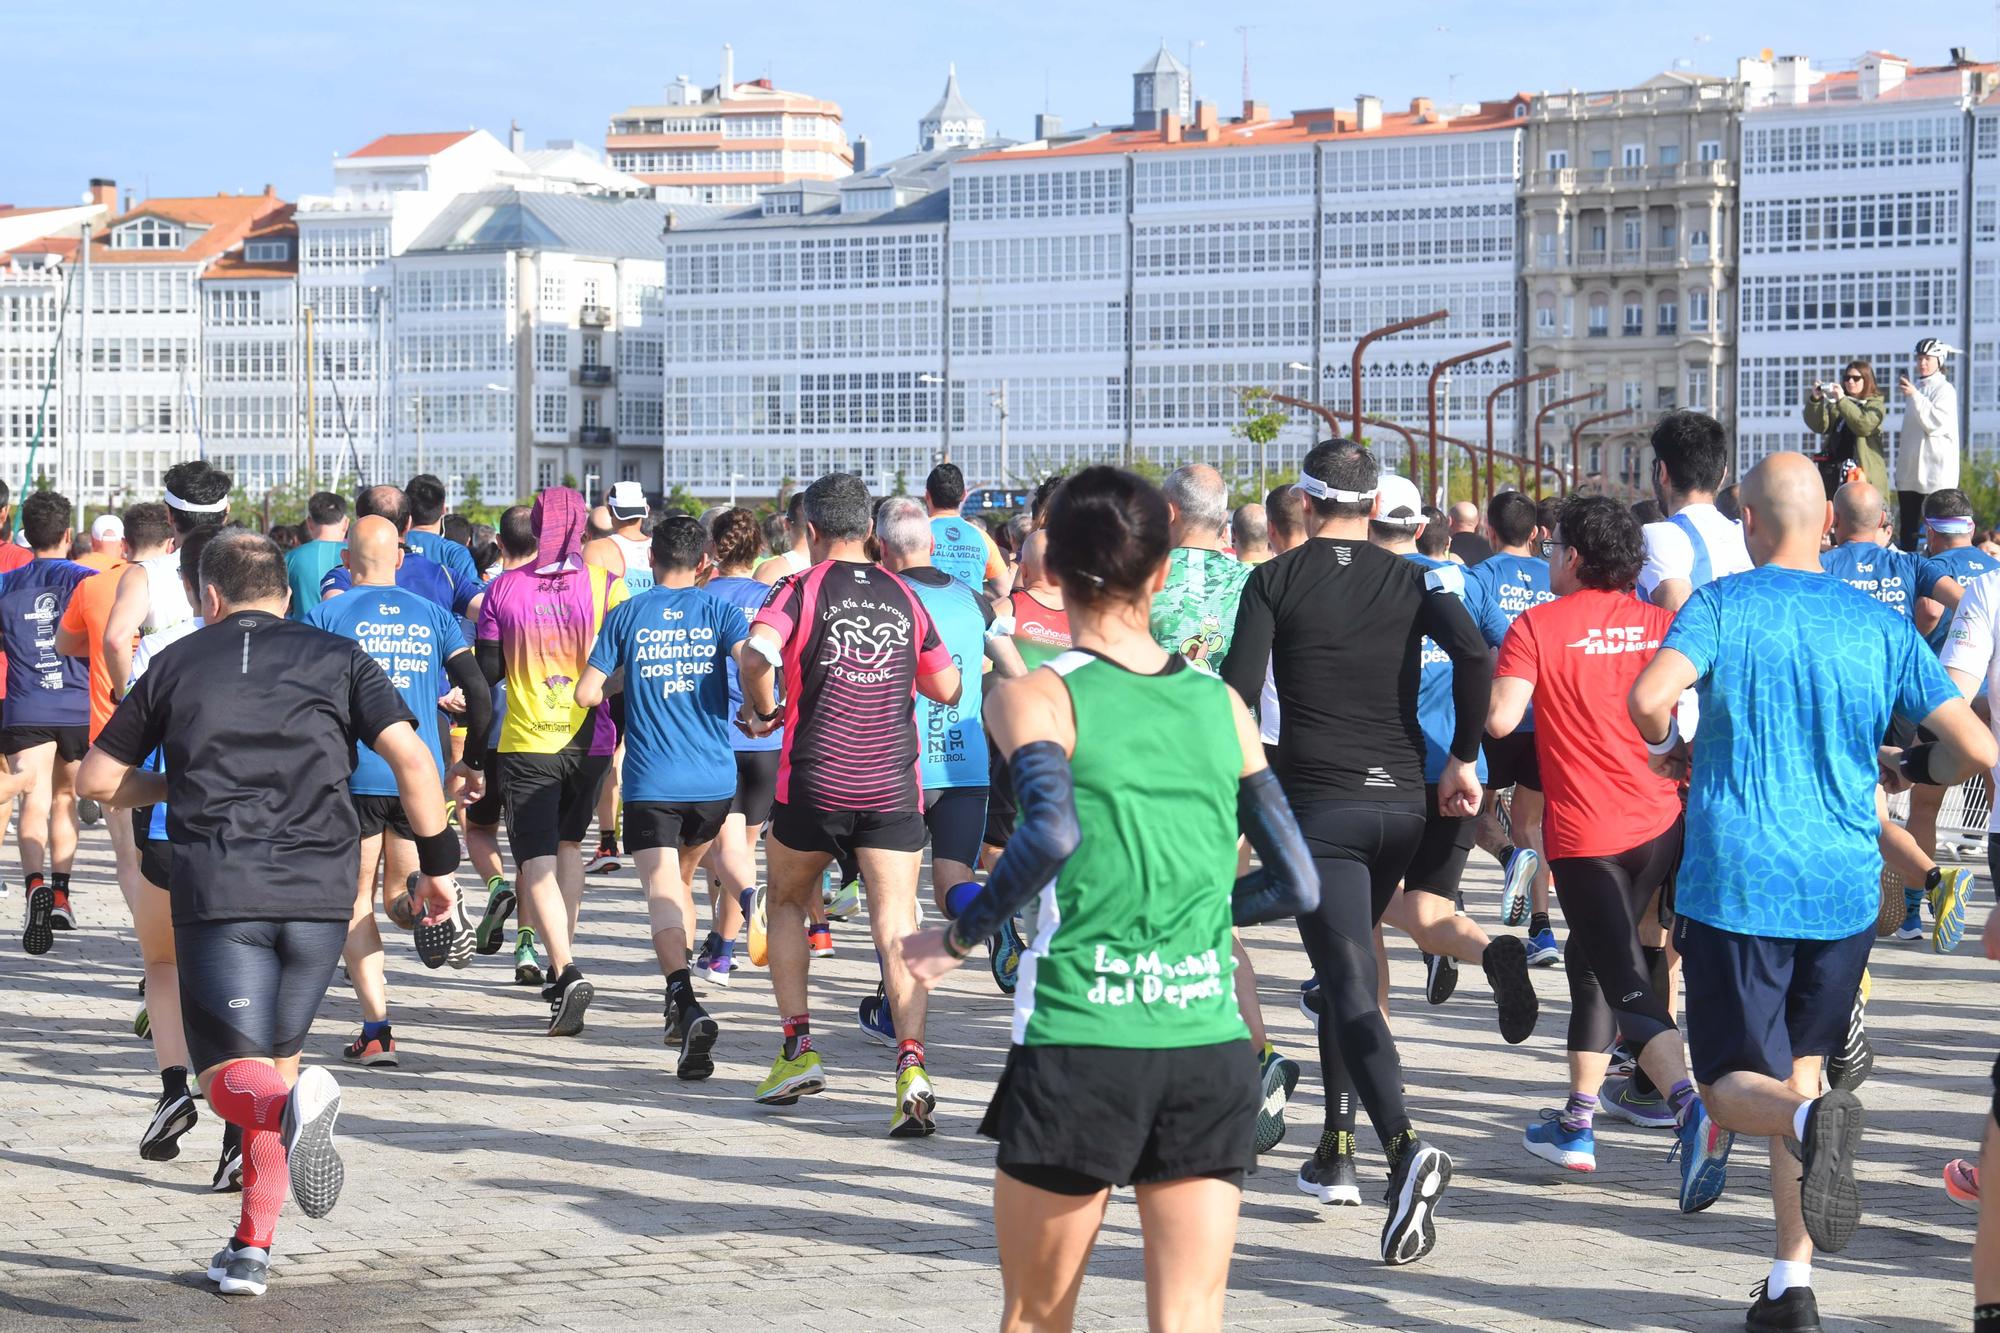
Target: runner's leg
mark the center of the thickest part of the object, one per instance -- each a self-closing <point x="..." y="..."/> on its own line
<point x="890" y="881"/>
<point x="36" y="802"/>
<point x="1189" y="1230"/>
<point x="363" y="951"/>
<point x="62" y="818"/>
<point x="1045" y="1240"/>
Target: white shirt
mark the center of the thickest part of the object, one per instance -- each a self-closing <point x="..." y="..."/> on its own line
<point x="1670" y="554"/>
<point x="1267" y="708"/>
<point x="1973" y="647"/>
<point x="1927" y="445"/>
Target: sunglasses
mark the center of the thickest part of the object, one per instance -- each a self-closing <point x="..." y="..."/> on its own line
<point x="1855" y="378"/>
<point x="1549" y="548"/>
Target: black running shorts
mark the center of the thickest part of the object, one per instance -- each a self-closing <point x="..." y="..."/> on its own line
<point x="956" y="820"/>
<point x="491" y="805"/>
<point x="1124" y="1117"/>
<point x="550" y="799"/>
<point x="1440" y="860"/>
<point x="379" y="814"/>
<point x="1758" y="1004"/>
<point x="250" y="989"/>
<point x="676" y="824"/>
<point x="756" y="785"/>
<point x="804" y="829"/>
<point x="1511" y="762"/>
<point x="1000" y="809"/>
<point x="155" y="858"/>
<point x="71" y="743"/>
<point x="1996" y="1090"/>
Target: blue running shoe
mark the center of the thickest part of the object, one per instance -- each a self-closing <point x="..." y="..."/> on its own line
<point x="1523" y="864"/>
<point x="1703" y="1147"/>
<point x="1553" y="1141"/>
<point x="1948" y="899"/>
<point x="1542" y="950"/>
<point x="1007" y="948"/>
<point x="1311" y="1003"/>
<point x="1913" y="925"/>
<point x="877" y="1023"/>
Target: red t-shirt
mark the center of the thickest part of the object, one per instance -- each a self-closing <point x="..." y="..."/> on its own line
<point x="1581" y="653"/>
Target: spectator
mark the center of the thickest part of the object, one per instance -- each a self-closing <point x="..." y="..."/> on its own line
<point x="286" y="537"/>
<point x="1466" y="542"/>
<point x="1728" y="505"/>
<point x="1548" y="512"/>
<point x="311" y="560"/>
<point x="1927" y="444"/>
<point x="1649" y="511"/>
<point x="1848" y="412"/>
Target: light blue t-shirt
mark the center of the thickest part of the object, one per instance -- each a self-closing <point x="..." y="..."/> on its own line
<point x="1892" y="577"/>
<point x="953" y="736"/>
<point x="747" y="596"/>
<point x="1514" y="583"/>
<point x="1435" y="711"/>
<point x="1799" y="675"/>
<point x="958" y="547"/>
<point x="674" y="644"/>
<point x="410" y="637"/>
<point x="1964" y="563"/>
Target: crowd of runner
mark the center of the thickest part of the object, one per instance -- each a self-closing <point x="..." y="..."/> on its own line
<point x="1125" y="724"/>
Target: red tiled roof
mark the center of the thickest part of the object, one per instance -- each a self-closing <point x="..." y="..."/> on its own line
<point x="227" y="217"/>
<point x="411" y="145"/>
<point x="276" y="226"/>
<point x="64" y="246"/>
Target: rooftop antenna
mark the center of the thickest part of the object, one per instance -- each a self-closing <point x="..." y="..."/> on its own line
<point x="1243" y="31"/>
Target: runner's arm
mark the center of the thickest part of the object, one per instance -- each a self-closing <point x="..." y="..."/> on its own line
<point x="463" y="671"/>
<point x="1285" y="883"/>
<point x="590" y="689"/>
<point x="492" y="665"/>
<point x="1509" y="706"/>
<point x="1005" y="657"/>
<point x="1658" y="689"/>
<point x="757" y="659"/>
<point x="118" y="784"/>
<point x="943" y="686"/>
<point x="1964" y="746"/>
<point x="1250" y="645"/>
<point x="417" y="784"/>
<point x="128" y="612"/>
<point x="1672" y="594"/>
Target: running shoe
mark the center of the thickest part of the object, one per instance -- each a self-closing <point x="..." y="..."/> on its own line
<point x="792" y="1077"/>
<point x="173" y="1115"/>
<point x="844" y="901"/>
<point x="695" y="1032"/>
<point x="1440" y="977"/>
<point x="605" y="861"/>
<point x="1828" y="1194"/>
<point x="62" y="916"/>
<point x="715" y="969"/>
<point x="240" y="1270"/>
<point x="1912" y="928"/>
<point x="916" y="1104"/>
<point x="38" y="936"/>
<point x="1623" y="1058"/>
<point x="1277" y="1079"/>
<point x="1006" y="949"/>
<point x="877" y="1023"/>
<point x="1797" y="1311"/>
<point x="1855" y="1060"/>
<point x="759" y="915"/>
<point x="491" y="932"/>
<point x="1961" y="1181"/>
<point x="1523" y="864"/>
<point x="314" y="1163"/>
<point x="1332" y="1179"/>
<point x="1948" y="900"/>
<point x="1415" y="1188"/>
<point x="567" y="1002"/>
<point x="1703" y="1148"/>
<point x="527" y="972"/>
<point x="1312" y="1003"/>
<point x="88" y="812"/>
<point x="448" y="939"/>
<point x="819" y="939"/>
<point x="142" y="1022"/>
<point x="1542" y="950"/>
<point x="370" y="1051"/>
<point x="1646" y="1110"/>
<point x="1505" y="963"/>
<point x="228" y="1177"/>
<point x="1553" y="1141"/>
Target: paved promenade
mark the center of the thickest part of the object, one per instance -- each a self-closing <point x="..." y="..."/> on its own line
<point x="502" y="1179"/>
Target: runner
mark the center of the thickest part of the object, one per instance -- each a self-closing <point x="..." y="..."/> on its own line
<point x="962" y="547"/>
<point x="856" y="646"/>
<point x="797" y="558"/>
<point x="536" y="627"/>
<point x="418" y="645"/>
<point x="1513" y="579"/>
<point x="1352" y="763"/>
<point x="1128" y="835"/>
<point x="622" y="551"/>
<point x="1041" y="633"/>
<point x="47" y="728"/>
<point x="107" y="543"/>
<point x="1613" y="830"/>
<point x="1250" y="534"/>
<point x="426" y="537"/>
<point x="264" y="880"/>
<point x="1776" y="897"/>
<point x="313" y="559"/>
<point x="12" y="556"/>
<point x="418" y="573"/>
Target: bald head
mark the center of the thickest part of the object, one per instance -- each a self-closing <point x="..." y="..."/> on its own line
<point x="1784" y="511"/>
<point x="1465" y="517"/>
<point x="601" y="524"/>
<point x="387" y="502"/>
<point x="374" y="550"/>
<point x="1857" y="512"/>
<point x="1250" y="533"/>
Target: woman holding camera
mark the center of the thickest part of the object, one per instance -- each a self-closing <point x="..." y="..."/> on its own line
<point x="1849" y="412"/>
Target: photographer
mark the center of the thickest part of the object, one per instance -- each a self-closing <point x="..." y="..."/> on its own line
<point x="1848" y="412"/>
<point x="1927" y="445"/>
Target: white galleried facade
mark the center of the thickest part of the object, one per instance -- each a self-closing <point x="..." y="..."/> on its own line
<point x="1979" y="385"/>
<point x="1857" y="190"/>
<point x="34" y="282"/>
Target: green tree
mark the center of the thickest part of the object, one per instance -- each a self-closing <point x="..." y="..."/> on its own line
<point x="679" y="498"/>
<point x="1262" y="420"/>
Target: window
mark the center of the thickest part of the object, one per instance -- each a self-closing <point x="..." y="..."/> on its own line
<point x="1596" y="466"/>
<point x="1697" y="309"/>
<point x="1669" y="233"/>
<point x="1600" y="159"/>
<point x="1698" y="245"/>
<point x="1697" y="388"/>
<point x="1663" y="398"/>
<point x="1669" y="318"/>
<point x="1635" y="315"/>
<point x="1635" y="155"/>
<point x="628" y="470"/>
<point x="1597" y="237"/>
<point x="266" y="252"/>
<point x="1631" y="233"/>
<point x="1557" y="159"/>
<point x="1709" y="150"/>
<point x="551" y="411"/>
<point x="1635" y="395"/>
<point x="1545" y="315"/>
<point x="147" y="234"/>
<point x="590" y="413"/>
<point x="545" y="474"/>
<point x="593" y="350"/>
<point x="1670" y="154"/>
<point x="1600" y="317"/>
<point x="552" y="351"/>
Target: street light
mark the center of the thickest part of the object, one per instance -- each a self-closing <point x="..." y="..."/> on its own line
<point x="999" y="400"/>
<point x="944" y="429"/>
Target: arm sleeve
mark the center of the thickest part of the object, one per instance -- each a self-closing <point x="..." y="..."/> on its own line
<point x="492" y="665"/>
<point x="336" y="579"/>
<point x="1250" y="646"/>
<point x="1046" y="835"/>
<point x="1931" y="412"/>
<point x="1287" y="882"/>
<point x="135" y="728"/>
<point x="1518" y="654"/>
<point x="464" y="672"/>
<point x="372" y="702"/>
<point x="1818" y="420"/>
<point x="1969" y="645"/>
<point x="1450" y="626"/>
<point x="1696" y="631"/>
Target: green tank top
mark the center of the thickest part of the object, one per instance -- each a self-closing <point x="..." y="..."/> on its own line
<point x="1129" y="946"/>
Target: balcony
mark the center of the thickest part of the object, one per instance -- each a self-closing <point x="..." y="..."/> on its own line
<point x="592" y="435"/>
<point x="594" y="316"/>
<point x="592" y="377"/>
<point x="1716" y="173"/>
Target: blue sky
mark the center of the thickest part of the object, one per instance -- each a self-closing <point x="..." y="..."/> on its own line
<point x="178" y="100"/>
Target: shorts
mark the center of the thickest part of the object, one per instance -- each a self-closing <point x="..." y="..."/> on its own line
<point x="1511" y="762"/>
<point x="756" y="785"/>
<point x="1000" y="808"/>
<point x="382" y="813"/>
<point x="155" y="854"/>
<point x="956" y="820"/>
<point x="1757" y="1004"/>
<point x="71" y="742"/>
<point x="804" y="829"/>
<point x="677" y="824"/>
<point x="487" y="810"/>
<point x="615" y="706"/>
<point x="1996" y="1090"/>
<point x="1078" y="1118"/>
<point x="250" y="989"/>
<point x="1440" y="860"/>
<point x="550" y="799"/>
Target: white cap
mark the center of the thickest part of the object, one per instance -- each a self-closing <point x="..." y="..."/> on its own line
<point x="1399" y="503"/>
<point x="107" y="528"/>
<point x="628" y="500"/>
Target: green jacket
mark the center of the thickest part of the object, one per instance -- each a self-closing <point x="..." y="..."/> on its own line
<point x="1853" y="428"/>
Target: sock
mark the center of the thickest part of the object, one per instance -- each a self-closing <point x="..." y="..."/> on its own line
<point x="1642" y="1083"/>
<point x="370" y="1031"/>
<point x="1505" y="854"/>
<point x="265" y="1181"/>
<point x="525" y="935"/>
<point x="1399" y="1143"/>
<point x="726" y="949"/>
<point x="959" y="897"/>
<point x="32" y="881"/>
<point x="1538" y="922"/>
<point x="59" y="880"/>
<point x="680" y="990"/>
<point x="743" y="899"/>
<point x="174" y="1078"/>
<point x="1680" y="1097"/>
<point x="909" y="1051"/>
<point x="251" y="1095"/>
<point x="798" y="1036"/>
<point x="1986" y="1318"/>
<point x="1578" y="1110"/>
<point x="1799" y="1121"/>
<point x="1265" y="1056"/>
<point x="495" y="883"/>
<point x="1334" y="1142"/>
<point x="1786" y="1274"/>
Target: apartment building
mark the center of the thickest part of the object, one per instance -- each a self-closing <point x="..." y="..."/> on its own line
<point x="250" y="421"/>
<point x="38" y="298"/>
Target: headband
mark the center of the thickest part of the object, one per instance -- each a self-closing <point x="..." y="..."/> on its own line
<point x="190" y="507"/>
<point x="1319" y="490"/>
<point x="1952" y="527"/>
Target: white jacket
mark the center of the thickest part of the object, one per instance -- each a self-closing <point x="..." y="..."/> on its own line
<point x="1927" y="445"/>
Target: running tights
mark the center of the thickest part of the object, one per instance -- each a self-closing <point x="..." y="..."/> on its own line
<point x="1361" y="849"/>
<point x="252" y="1096"/>
<point x="1615" y="987"/>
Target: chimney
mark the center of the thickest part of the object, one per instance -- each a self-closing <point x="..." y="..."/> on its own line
<point x="1047" y="126"/>
<point x="1881" y="73"/>
<point x="1792" y="80"/>
<point x="1256" y="111"/>
<point x="1170" y="127"/>
<point x="270" y="190"/>
<point x="128" y="201"/>
<point x="104" y="193"/>
<point x="1420" y="107"/>
<point x="728" y="70"/>
<point x="1206" y="117"/>
<point x="860" y="154"/>
<point x="1961" y="55"/>
<point x="516" y="141"/>
<point x="1367" y="112"/>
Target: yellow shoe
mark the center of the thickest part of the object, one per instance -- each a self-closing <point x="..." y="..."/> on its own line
<point x="1948" y="901"/>
<point x="916" y="1099"/>
<point x="791" y="1078"/>
<point x="760" y="944"/>
<point x="1865" y="985"/>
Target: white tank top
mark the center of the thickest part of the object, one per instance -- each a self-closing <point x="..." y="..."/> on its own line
<point x="638" y="554"/>
<point x="167" y="604"/>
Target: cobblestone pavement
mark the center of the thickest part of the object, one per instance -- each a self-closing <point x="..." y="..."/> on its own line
<point x="501" y="1178"/>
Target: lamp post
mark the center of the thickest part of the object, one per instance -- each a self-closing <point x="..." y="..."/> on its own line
<point x="1543" y="415"/>
<point x="1354" y="369"/>
<point x="1438" y="368"/>
<point x="999" y="397"/>
<point x="1576" y="441"/>
<point x="1493" y="397"/>
<point x="944" y="408"/>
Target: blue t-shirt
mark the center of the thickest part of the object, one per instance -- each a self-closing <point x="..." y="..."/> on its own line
<point x="674" y="644"/>
<point x="1799" y="675"/>
<point x="410" y="637"/>
<point x="44" y="688"/>
<point x="1964" y="563"/>
<point x="747" y="596"/>
<point x="1892" y="577"/>
<point x="1435" y="711"/>
<point x="418" y="574"/>
<point x="953" y="736"/>
<point x="958" y="547"/>
<point x="1514" y="583"/>
<point x="456" y="562"/>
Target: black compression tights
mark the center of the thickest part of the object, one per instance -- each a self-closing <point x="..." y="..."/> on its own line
<point x="1361" y="849"/>
<point x="1603" y="899"/>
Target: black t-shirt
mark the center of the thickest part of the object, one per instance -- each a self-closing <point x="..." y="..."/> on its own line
<point x="1470" y="547"/>
<point x="258" y="718"/>
<point x="1342" y="624"/>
